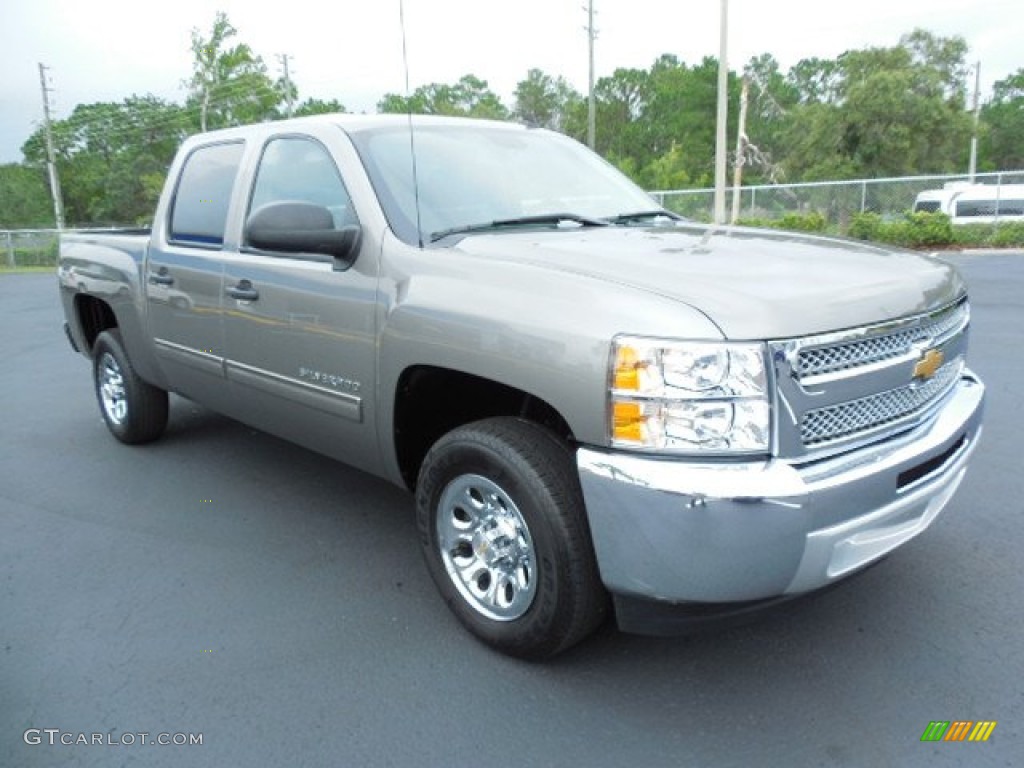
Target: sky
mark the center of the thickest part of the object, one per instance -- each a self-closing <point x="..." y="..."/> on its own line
<point x="107" y="50"/>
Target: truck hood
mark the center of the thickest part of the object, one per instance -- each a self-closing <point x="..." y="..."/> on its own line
<point x="753" y="284"/>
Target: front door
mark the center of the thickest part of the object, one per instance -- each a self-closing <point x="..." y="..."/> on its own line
<point x="299" y="332"/>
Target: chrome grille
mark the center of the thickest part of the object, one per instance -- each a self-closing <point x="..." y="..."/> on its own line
<point x="814" y="361"/>
<point x="838" y="421"/>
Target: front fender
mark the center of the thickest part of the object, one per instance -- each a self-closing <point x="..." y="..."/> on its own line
<point x="544" y="332"/>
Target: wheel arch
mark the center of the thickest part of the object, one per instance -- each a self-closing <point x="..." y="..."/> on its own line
<point x="93" y="316"/>
<point x="432" y="401"/>
<point x="89" y="315"/>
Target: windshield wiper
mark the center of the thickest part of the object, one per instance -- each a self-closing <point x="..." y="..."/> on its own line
<point x="520" y="221"/>
<point x="640" y="216"/>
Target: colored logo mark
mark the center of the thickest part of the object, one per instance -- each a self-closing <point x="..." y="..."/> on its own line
<point x="958" y="730"/>
<point x="928" y="364"/>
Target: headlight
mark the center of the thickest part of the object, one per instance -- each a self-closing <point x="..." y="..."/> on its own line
<point x="690" y="397"/>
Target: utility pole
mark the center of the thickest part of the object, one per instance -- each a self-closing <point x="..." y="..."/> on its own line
<point x="723" y="114"/>
<point x="286" y="77"/>
<point x="741" y="144"/>
<point x="591" y="106"/>
<point x="973" y="167"/>
<point x="51" y="165"/>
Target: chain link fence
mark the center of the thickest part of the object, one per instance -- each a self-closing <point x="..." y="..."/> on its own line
<point x="29" y="248"/>
<point x="837" y="201"/>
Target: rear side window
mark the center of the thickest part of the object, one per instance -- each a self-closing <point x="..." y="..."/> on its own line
<point x="200" y="210"/>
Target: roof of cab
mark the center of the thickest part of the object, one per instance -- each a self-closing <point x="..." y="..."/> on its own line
<point x="351" y="124"/>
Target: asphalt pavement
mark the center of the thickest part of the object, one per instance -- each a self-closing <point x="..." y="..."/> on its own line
<point x="225" y="585"/>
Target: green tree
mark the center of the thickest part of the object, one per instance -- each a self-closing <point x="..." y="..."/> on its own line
<point x="477" y="100"/>
<point x="878" y="112"/>
<point x="24" y="197"/>
<point x="771" y="99"/>
<point x="903" y="113"/>
<point x="658" y="125"/>
<point x="545" y="101"/>
<point x="941" y="64"/>
<point x="112" y="158"/>
<point x="229" y="83"/>
<point x="620" y="103"/>
<point x="667" y="171"/>
<point x="682" y="104"/>
<point x="672" y="97"/>
<point x="1001" y="147"/>
<point x="469" y="97"/>
<point x="317" y="107"/>
<point x="816" y="81"/>
<point x="813" y="135"/>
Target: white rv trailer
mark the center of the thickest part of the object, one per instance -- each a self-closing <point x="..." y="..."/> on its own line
<point x="975" y="203"/>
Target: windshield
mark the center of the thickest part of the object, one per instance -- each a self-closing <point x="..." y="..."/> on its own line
<point x="470" y="175"/>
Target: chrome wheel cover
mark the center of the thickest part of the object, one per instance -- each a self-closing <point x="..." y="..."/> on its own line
<point x="486" y="548"/>
<point x="112" y="390"/>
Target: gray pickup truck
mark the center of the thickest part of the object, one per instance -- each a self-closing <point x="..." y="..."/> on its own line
<point x="599" y="406"/>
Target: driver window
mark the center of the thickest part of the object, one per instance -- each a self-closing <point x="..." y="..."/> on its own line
<point x="297" y="169"/>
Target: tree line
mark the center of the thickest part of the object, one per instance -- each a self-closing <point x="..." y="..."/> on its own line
<point x="869" y="113"/>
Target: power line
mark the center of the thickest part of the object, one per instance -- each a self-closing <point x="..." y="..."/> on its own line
<point x="225" y="95"/>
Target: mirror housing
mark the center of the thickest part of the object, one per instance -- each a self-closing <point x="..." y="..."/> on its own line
<point x="300" y="227"/>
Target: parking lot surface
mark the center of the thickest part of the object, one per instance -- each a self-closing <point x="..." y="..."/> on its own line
<point x="226" y="584"/>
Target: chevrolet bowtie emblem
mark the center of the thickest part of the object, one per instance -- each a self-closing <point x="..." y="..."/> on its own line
<point x="928" y="364"/>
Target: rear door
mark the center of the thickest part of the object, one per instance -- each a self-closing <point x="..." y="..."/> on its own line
<point x="184" y="275"/>
<point x="299" y="329"/>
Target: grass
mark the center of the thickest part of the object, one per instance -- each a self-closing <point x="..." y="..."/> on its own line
<point x="5" y="270"/>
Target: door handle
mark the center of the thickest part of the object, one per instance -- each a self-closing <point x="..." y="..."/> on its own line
<point x="243" y="291"/>
<point x="161" y="277"/>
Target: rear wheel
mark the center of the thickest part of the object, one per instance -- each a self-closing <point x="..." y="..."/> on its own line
<point x="504" y="532"/>
<point x="133" y="410"/>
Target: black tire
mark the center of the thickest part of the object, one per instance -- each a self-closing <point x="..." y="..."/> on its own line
<point x="133" y="410"/>
<point x="499" y="503"/>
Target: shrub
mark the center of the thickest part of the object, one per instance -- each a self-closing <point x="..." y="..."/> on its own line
<point x="896" y="233"/>
<point x="973" y="235"/>
<point x="43" y="256"/>
<point x="914" y="230"/>
<point x="928" y="229"/>
<point x="1010" y="234"/>
<point x="758" y="222"/>
<point x="802" y="222"/>
<point x="865" y="226"/>
<point x="794" y="222"/>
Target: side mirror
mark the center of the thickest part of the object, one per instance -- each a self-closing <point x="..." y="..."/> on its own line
<point x="297" y="227"/>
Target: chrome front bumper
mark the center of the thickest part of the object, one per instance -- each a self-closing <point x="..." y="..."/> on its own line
<point x="684" y="532"/>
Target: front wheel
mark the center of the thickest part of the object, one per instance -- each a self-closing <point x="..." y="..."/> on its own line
<point x="133" y="410"/>
<point x="504" y="532"/>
